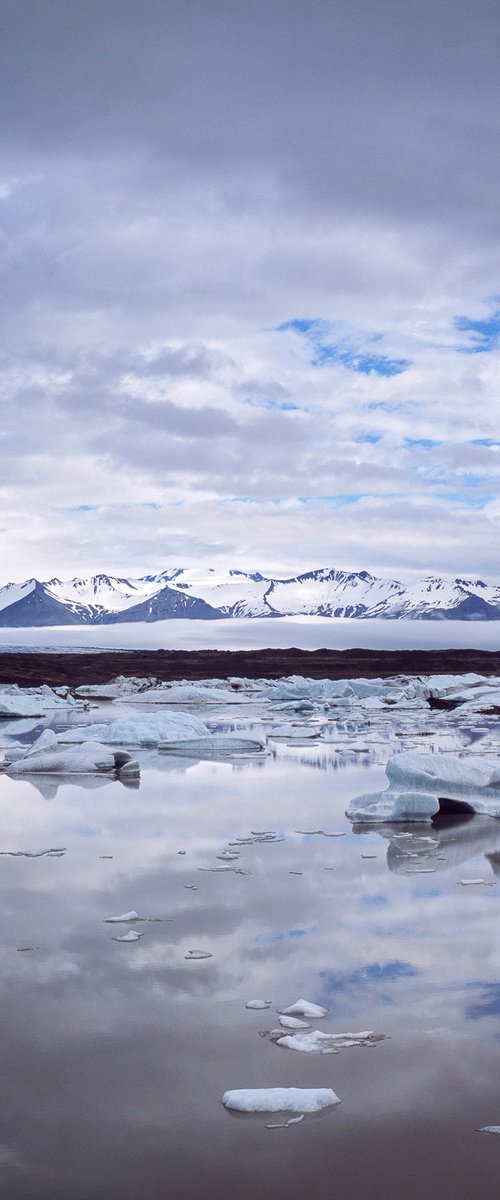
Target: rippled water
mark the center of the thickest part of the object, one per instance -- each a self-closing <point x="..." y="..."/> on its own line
<point x="114" y="1057"/>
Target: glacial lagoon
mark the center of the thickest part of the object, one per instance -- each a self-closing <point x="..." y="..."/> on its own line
<point x="115" y="1055"/>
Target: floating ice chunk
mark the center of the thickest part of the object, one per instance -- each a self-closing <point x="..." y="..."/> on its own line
<point x="489" y="1129"/>
<point x="141" y="729"/>
<point x="444" y="774"/>
<point x="131" y="936"/>
<point x="304" y="1008"/>
<point x="293" y="1023"/>
<point x="474" y="882"/>
<point x="186" y="693"/>
<point x="296" y="1100"/>
<point x="122" y="919"/>
<point x="258" y="1004"/>
<point x="33" y="702"/>
<point x="198" y="954"/>
<point x="317" y="1042"/>
<point x="227" y="856"/>
<point x="213" y="745"/>
<point x="47" y="756"/>
<point x="375" y="807"/>
<point x="52" y="852"/>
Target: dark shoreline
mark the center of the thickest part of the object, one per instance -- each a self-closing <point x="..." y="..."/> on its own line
<point x="30" y="668"/>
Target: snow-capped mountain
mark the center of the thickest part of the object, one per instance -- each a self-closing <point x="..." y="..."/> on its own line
<point x="210" y="594"/>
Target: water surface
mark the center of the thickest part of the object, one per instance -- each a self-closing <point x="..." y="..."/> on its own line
<point x="114" y="1057"/>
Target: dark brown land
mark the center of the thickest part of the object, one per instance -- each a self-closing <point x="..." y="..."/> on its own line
<point x="32" y="668"/>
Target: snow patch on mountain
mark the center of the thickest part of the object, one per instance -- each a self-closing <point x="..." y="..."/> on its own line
<point x="208" y="594"/>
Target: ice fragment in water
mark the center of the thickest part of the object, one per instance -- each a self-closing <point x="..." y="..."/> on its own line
<point x="258" y="1004"/>
<point x="131" y="936"/>
<point x="317" y="1042"/>
<point x="489" y="1129"/>
<point x="293" y="1023"/>
<point x="285" y="1124"/>
<point x="53" y="851"/>
<point x="304" y="1008"/>
<point x="296" y="1100"/>
<point x="471" y="882"/>
<point x="198" y="954"/>
<point x="123" y="918"/>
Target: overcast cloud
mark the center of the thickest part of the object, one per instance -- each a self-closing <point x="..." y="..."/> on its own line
<point x="251" y="285"/>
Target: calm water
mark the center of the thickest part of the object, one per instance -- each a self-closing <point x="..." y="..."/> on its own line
<point x="114" y="1057"/>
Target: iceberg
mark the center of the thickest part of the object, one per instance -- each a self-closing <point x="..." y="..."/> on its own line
<point x="214" y="745"/>
<point x="420" y="785"/>
<point x="186" y="693"/>
<point x="140" y="730"/>
<point x="46" y="755"/>
<point x="33" y="702"/>
<point x="392" y="806"/>
<point x="296" y="1100"/>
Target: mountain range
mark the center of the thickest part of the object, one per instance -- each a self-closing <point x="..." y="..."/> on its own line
<point x="211" y="594"/>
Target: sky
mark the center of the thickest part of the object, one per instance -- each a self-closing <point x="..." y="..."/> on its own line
<point x="251" y="286"/>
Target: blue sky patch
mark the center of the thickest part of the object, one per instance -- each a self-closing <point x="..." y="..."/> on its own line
<point x="489" y="1003"/>
<point x="368" y="976"/>
<point x="319" y="334"/>
<point x="485" y="334"/>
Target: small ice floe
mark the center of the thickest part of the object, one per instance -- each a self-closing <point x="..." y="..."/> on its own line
<point x="53" y="852"/>
<point x="24" y="949"/>
<point x="213" y="745"/>
<point x="317" y="1042"/>
<point x="106" y="856"/>
<point x="227" y="856"/>
<point x="191" y="887"/>
<point x="309" y="832"/>
<point x="304" y="1008"/>
<point x="296" y="1100"/>
<point x="198" y="954"/>
<point x="295" y="872"/>
<point x="123" y="919"/>
<point x="257" y="839"/>
<point x="224" y="870"/>
<point x="182" y="851"/>
<point x="293" y="1023"/>
<point x="368" y="856"/>
<point x="336" y="833"/>
<point x="285" y="1124"/>
<point x="477" y="882"/>
<point x="130" y="936"/>
<point x="489" y="1129"/>
<point x="258" y="1004"/>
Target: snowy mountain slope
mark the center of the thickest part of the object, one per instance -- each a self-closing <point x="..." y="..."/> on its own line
<point x="209" y="594"/>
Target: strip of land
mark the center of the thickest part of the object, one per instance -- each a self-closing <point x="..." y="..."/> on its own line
<point x="32" y="668"/>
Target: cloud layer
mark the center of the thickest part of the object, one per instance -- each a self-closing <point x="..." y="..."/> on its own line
<point x="250" y="305"/>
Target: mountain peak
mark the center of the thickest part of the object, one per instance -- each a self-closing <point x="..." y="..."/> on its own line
<point x="207" y="593"/>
